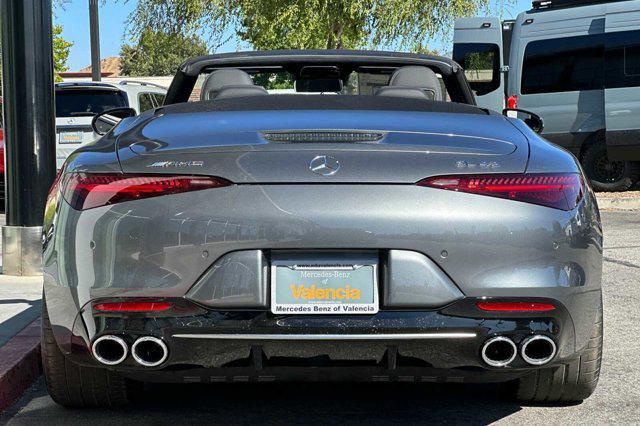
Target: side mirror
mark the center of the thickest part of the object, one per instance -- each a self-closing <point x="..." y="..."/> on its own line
<point x="534" y="121"/>
<point x="103" y="122"/>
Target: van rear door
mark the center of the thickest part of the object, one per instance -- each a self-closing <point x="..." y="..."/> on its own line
<point x="622" y="82"/>
<point x="477" y="47"/>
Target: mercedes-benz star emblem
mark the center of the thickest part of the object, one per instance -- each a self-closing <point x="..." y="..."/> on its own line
<point x="324" y="165"/>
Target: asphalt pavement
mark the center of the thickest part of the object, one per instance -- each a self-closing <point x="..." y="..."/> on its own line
<point x="616" y="401"/>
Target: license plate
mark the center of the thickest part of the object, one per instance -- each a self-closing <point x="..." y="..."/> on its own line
<point x="70" y="137"/>
<point x="324" y="286"/>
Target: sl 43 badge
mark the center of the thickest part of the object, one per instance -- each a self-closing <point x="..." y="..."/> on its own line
<point x="485" y="165"/>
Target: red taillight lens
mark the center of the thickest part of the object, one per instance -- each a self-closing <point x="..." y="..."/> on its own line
<point x="84" y="191"/>
<point x="515" y="306"/>
<point x="53" y="197"/>
<point x="132" y="306"/>
<point x="512" y="102"/>
<point x="561" y="191"/>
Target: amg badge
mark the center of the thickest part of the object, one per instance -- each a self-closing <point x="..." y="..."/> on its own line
<point x="165" y="164"/>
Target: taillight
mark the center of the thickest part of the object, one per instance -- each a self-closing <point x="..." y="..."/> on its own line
<point x="137" y="306"/>
<point x="561" y="191"/>
<point x="515" y="306"/>
<point x="85" y="190"/>
<point x="53" y="197"/>
<point x="512" y="102"/>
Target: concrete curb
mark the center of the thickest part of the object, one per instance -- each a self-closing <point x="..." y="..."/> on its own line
<point x="19" y="364"/>
<point x="618" y="203"/>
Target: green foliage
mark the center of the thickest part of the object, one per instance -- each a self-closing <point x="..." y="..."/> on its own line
<point x="309" y="24"/>
<point x="271" y="81"/>
<point x="61" y="49"/>
<point x="159" y="52"/>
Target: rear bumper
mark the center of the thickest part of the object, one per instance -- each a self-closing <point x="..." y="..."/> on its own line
<point x="215" y="346"/>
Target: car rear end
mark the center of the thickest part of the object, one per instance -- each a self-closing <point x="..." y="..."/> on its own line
<point x="76" y="104"/>
<point x="243" y="246"/>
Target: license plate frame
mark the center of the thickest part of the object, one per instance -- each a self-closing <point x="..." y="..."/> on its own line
<point x="331" y="274"/>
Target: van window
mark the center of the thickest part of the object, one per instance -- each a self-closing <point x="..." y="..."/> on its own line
<point x="622" y="59"/>
<point x="481" y="63"/>
<point x="145" y="101"/>
<point x="158" y="98"/>
<point x="563" y="65"/>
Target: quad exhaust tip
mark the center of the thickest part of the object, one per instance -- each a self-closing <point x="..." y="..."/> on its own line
<point x="109" y="350"/>
<point x="149" y="351"/>
<point x="499" y="351"/>
<point x="538" y="349"/>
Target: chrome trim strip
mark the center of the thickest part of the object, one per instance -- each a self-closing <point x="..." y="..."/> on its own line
<point x="393" y="336"/>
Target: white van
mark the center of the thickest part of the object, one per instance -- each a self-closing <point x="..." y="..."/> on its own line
<point x="576" y="64"/>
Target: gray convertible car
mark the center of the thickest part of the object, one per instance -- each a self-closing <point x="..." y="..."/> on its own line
<point x="321" y="215"/>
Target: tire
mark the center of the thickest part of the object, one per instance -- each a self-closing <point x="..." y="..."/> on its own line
<point x="571" y="382"/>
<point x="608" y="175"/>
<point x="73" y="385"/>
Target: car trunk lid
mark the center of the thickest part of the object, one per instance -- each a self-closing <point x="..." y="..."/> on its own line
<point x="364" y="146"/>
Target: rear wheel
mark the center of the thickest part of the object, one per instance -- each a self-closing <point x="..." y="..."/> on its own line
<point x="571" y="382"/>
<point x="73" y="385"/>
<point x="606" y="175"/>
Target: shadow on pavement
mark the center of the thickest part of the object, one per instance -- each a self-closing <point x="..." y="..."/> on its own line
<point x="19" y="321"/>
<point x="299" y="403"/>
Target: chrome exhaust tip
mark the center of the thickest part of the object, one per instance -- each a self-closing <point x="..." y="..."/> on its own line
<point x="149" y="351"/>
<point x="499" y="351"/>
<point x="538" y="349"/>
<point x="109" y="350"/>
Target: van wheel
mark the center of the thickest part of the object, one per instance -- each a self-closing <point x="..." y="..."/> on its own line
<point x="73" y="385"/>
<point x="571" y="382"/>
<point x="608" y="175"/>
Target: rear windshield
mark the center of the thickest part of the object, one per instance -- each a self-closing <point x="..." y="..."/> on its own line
<point x="78" y="102"/>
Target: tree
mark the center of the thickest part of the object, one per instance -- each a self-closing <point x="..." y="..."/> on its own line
<point x="61" y="49"/>
<point x="159" y="52"/>
<point x="309" y="24"/>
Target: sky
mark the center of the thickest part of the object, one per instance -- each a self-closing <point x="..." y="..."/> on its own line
<point x="74" y="18"/>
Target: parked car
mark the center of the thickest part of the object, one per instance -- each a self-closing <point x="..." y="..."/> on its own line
<point x="576" y="64"/>
<point x="383" y="237"/>
<point x="77" y="103"/>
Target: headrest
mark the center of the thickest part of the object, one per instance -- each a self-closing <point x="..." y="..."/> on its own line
<point x="406" y="92"/>
<point x="223" y="78"/>
<point x="410" y="79"/>
<point x="240" y="91"/>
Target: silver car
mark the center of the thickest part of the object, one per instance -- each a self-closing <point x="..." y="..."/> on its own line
<point x="379" y="228"/>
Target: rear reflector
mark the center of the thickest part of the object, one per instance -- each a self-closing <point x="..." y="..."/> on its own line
<point x="515" y="306"/>
<point x="561" y="191"/>
<point x="512" y="102"/>
<point x="132" y="306"/>
<point x="84" y="190"/>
